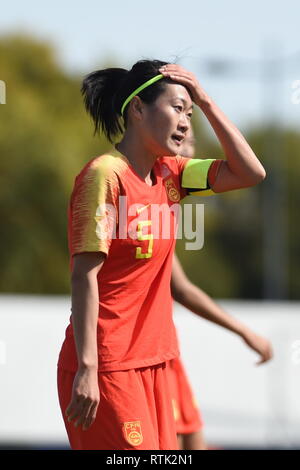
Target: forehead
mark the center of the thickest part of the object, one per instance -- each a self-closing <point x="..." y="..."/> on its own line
<point x="175" y="91"/>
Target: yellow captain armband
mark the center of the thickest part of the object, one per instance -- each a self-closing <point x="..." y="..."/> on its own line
<point x="194" y="177"/>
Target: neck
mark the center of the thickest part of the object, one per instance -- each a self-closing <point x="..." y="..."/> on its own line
<point x="139" y="157"/>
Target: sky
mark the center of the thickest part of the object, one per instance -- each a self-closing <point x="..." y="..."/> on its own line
<point x="192" y="32"/>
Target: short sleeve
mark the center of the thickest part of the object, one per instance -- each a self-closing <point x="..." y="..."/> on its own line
<point x="197" y="175"/>
<point x="93" y="210"/>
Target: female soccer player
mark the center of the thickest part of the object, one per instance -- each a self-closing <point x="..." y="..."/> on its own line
<point x="187" y="415"/>
<point x="112" y="370"/>
<point x="188" y="419"/>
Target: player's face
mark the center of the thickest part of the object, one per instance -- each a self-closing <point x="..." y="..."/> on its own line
<point x="167" y="121"/>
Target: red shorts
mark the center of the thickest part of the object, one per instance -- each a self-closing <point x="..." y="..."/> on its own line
<point x="135" y="411"/>
<point x="187" y="415"/>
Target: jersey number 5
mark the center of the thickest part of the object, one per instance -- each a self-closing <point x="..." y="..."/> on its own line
<point x="141" y="236"/>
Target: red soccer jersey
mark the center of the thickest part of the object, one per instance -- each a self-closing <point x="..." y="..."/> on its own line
<point x="111" y="210"/>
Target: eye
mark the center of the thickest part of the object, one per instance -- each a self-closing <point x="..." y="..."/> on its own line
<point x="189" y="115"/>
<point x="178" y="107"/>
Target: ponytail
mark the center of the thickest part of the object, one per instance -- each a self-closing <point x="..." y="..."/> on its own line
<point x="105" y="92"/>
<point x="99" y="90"/>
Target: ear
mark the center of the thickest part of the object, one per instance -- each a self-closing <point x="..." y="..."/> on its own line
<point x="136" y="107"/>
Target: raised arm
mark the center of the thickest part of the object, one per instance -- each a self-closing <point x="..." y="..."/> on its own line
<point x="196" y="300"/>
<point x="241" y="168"/>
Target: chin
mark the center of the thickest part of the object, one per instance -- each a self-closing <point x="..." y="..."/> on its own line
<point x="171" y="151"/>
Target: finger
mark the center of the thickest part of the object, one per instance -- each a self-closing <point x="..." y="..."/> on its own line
<point x="76" y="410"/>
<point x="91" y="416"/>
<point x="72" y="405"/>
<point x="75" y="399"/>
<point x="177" y="73"/>
<point x="269" y="357"/>
<point x="264" y="358"/>
<point x="75" y="414"/>
<point x="271" y="353"/>
<point x="84" y="414"/>
<point x="180" y="79"/>
<point x="260" y="362"/>
<point x="176" y="70"/>
<point x="172" y="67"/>
<point x="69" y="409"/>
<point x="268" y="354"/>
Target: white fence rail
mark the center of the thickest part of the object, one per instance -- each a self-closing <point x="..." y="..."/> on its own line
<point x="243" y="405"/>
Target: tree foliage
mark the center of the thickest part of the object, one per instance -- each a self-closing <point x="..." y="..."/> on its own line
<point x="46" y="138"/>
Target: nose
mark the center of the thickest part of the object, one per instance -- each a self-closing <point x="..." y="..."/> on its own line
<point x="184" y="123"/>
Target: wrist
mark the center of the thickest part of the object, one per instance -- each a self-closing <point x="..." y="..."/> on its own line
<point x="202" y="99"/>
<point x="85" y="366"/>
<point x="242" y="331"/>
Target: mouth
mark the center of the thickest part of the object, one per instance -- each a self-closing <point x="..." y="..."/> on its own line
<point x="178" y="138"/>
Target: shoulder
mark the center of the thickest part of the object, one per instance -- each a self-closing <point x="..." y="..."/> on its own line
<point x="104" y="167"/>
<point x="173" y="164"/>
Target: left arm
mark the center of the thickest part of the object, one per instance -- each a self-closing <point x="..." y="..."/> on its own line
<point x="196" y="300"/>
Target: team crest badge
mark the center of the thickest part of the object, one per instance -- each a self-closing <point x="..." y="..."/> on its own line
<point x="172" y="191"/>
<point x="133" y="432"/>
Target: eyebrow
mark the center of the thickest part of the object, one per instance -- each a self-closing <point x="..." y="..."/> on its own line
<point x="185" y="102"/>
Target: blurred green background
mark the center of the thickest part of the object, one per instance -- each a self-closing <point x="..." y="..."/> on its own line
<point x="46" y="138"/>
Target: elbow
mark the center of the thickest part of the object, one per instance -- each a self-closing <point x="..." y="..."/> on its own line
<point x="260" y="175"/>
<point x="78" y="278"/>
<point x="263" y="175"/>
<point x="257" y="176"/>
<point x="176" y="293"/>
<point x="181" y="293"/>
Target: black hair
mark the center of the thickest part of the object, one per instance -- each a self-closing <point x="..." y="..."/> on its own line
<point x="105" y="91"/>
